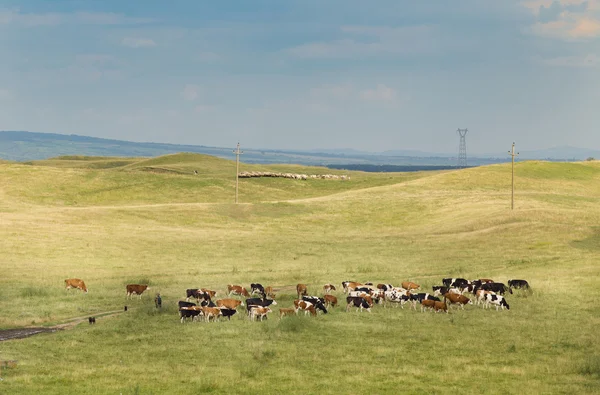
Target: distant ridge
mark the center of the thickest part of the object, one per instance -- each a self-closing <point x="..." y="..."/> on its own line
<point x="26" y="146"/>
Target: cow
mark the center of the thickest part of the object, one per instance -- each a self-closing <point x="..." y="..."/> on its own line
<point x="305" y="306"/>
<point x="327" y="288"/>
<point x="269" y="292"/>
<point x="480" y="296"/>
<point x="385" y="287"/>
<point x="395" y="296"/>
<point x="455" y="282"/>
<point x="522" y="284"/>
<point x="330" y="300"/>
<point x="462" y="300"/>
<point x="345" y="285"/>
<point x="192" y="312"/>
<point x="182" y="304"/>
<point x="197" y="294"/>
<point x="350" y="286"/>
<point x="497" y="300"/>
<point x="75" y="283"/>
<point x="440" y="289"/>
<point x="420" y="297"/>
<point x="208" y="303"/>
<point x="237" y="290"/>
<point x="377" y="295"/>
<point x="227" y="312"/>
<point x="440" y="306"/>
<point x="257" y="288"/>
<point x="485" y="280"/>
<point x="229" y="303"/>
<point x="499" y="288"/>
<point x="259" y="312"/>
<point x="211" y="294"/>
<point x="92" y="320"/>
<point x="213" y="312"/>
<point x="319" y="303"/>
<point x="410" y="285"/>
<point x="301" y="290"/>
<point x="285" y="311"/>
<point x="359" y="302"/>
<point x="427" y="304"/>
<point x="261" y="302"/>
<point x="135" y="289"/>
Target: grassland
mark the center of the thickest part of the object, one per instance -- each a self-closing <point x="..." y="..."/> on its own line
<point x="114" y="221"/>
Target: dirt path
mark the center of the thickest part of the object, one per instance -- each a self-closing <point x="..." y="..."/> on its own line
<point x="20" y="333"/>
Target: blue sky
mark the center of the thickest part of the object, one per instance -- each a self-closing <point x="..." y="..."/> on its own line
<point x="368" y="75"/>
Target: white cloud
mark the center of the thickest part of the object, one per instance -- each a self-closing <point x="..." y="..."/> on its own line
<point x="381" y="93"/>
<point x="190" y="92"/>
<point x="566" y="20"/>
<point x="134" y="42"/>
<point x="16" y="17"/>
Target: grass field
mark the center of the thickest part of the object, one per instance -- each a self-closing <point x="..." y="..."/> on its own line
<point x="113" y="221"/>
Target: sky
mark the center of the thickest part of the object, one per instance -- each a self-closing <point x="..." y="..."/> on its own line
<point x="306" y="74"/>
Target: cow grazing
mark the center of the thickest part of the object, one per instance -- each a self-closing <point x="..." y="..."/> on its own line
<point x="197" y="294"/>
<point x="455" y="282"/>
<point x="256" y="288"/>
<point x="440" y="290"/>
<point x="497" y="300"/>
<point x="301" y="290"/>
<point x="182" y="304"/>
<point x="319" y="303"/>
<point x="420" y="297"/>
<point x="229" y="303"/>
<point x="521" y="284"/>
<point x="461" y="300"/>
<point x="410" y="285"/>
<point x="351" y="286"/>
<point x="237" y="290"/>
<point x="480" y="296"/>
<point x="427" y="304"/>
<point x="261" y="302"/>
<point x="440" y="306"/>
<point x="359" y="302"/>
<point x="498" y="288"/>
<point x="259" y="312"/>
<point x="285" y="312"/>
<point x="330" y="300"/>
<point x="385" y="287"/>
<point x="227" y="312"/>
<point x="395" y="296"/>
<point x="345" y="285"/>
<point x="327" y="288"/>
<point x="75" y="283"/>
<point x="192" y="312"/>
<point x="136" y="289"/>
<point x="305" y="306"/>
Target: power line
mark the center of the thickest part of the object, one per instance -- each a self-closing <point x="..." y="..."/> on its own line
<point x="512" y="196"/>
<point x="462" y="148"/>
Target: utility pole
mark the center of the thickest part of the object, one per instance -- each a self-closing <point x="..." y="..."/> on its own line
<point x="512" y="197"/>
<point x="462" y="148"/>
<point x="237" y="153"/>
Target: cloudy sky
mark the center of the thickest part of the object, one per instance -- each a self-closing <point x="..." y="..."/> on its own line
<point x="304" y="74"/>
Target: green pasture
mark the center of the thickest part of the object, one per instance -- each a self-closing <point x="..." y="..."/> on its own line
<point x="114" y="221"/>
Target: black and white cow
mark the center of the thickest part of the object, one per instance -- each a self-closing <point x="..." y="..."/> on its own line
<point x="498" y="288"/>
<point x="497" y="300"/>
<point x="319" y="303"/>
<point x="191" y="312"/>
<point x="227" y="312"/>
<point x="257" y="288"/>
<point x="455" y="282"/>
<point x="522" y="284"/>
<point x="418" y="298"/>
<point x="262" y="302"/>
<point x="359" y="303"/>
<point x="197" y="294"/>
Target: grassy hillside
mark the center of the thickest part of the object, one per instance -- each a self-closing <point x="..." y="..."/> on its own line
<point x="118" y="224"/>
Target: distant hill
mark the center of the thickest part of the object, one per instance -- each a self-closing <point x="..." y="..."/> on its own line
<point x="26" y="146"/>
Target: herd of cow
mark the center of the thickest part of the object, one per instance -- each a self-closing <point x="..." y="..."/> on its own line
<point x="360" y="296"/>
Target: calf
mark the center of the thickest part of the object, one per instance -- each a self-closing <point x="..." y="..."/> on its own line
<point x="330" y="300"/>
<point x="213" y="312"/>
<point x="457" y="299"/>
<point x="301" y="290"/>
<point x="410" y="285"/>
<point x="327" y="288"/>
<point x="497" y="300"/>
<point x="192" y="312"/>
<point x="427" y="304"/>
<point x="75" y="283"/>
<point x="237" y="290"/>
<point x="499" y="288"/>
<point x="522" y="284"/>
<point x="359" y="302"/>
<point x="285" y="312"/>
<point x="269" y="292"/>
<point x="259" y="312"/>
<point x="135" y="289"/>
<point x="440" y="306"/>
<point x="229" y="303"/>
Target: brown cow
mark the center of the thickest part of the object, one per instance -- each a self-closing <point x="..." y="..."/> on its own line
<point x="259" y="312"/>
<point x="330" y="300"/>
<point x="136" y="289"/>
<point x="229" y="303"/>
<point x="269" y="292"/>
<point x="427" y="304"/>
<point x="440" y="306"/>
<point x="209" y="312"/>
<point x="350" y="286"/>
<point x="301" y="290"/>
<point x="75" y="283"/>
<point x="284" y="312"/>
<point x="210" y="293"/>
<point x="486" y="280"/>
<point x="410" y="285"/>
<point x="462" y="300"/>
<point x="305" y="306"/>
<point x="327" y="288"/>
<point x="237" y="290"/>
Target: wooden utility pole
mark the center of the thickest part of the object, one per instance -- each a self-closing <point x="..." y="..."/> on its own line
<point x="237" y="153"/>
<point x="512" y="197"/>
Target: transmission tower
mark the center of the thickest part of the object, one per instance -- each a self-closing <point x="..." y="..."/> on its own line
<point x="462" y="148"/>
